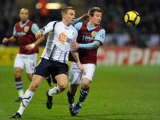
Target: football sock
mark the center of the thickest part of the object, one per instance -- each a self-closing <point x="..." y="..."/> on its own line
<point x="26" y="99"/>
<point x="19" y="86"/>
<point x="83" y="95"/>
<point x="70" y="99"/>
<point x="54" y="91"/>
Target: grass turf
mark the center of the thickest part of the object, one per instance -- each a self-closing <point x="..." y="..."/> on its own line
<point x="117" y="93"/>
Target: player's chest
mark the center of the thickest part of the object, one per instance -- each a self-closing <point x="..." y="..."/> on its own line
<point x="65" y="35"/>
<point x="22" y="31"/>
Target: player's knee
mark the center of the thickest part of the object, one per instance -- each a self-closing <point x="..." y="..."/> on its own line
<point x="30" y="77"/>
<point x="17" y="74"/>
<point x="62" y="86"/>
<point x="33" y="87"/>
<point x="85" y="86"/>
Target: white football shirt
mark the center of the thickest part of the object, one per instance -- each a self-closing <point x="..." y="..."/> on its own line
<point x="58" y="42"/>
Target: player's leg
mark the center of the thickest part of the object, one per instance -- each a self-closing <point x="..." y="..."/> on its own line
<point x="87" y="78"/>
<point x="71" y="96"/>
<point x="49" y="80"/>
<point x="41" y="71"/>
<point x="27" y="97"/>
<point x="18" y="68"/>
<point x="30" y="64"/>
<point x="62" y="82"/>
<point x="60" y="71"/>
<point x="75" y="81"/>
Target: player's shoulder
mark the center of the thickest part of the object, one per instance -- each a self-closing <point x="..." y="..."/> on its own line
<point x="17" y="23"/>
<point x="52" y="23"/>
<point x="73" y="28"/>
<point x="100" y="28"/>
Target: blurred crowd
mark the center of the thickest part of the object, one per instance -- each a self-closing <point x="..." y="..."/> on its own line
<point x="146" y="34"/>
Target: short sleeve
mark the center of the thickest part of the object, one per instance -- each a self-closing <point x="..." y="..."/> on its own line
<point x="78" y="26"/>
<point x="100" y="36"/>
<point x="34" y="28"/>
<point x="14" y="31"/>
<point x="48" y="27"/>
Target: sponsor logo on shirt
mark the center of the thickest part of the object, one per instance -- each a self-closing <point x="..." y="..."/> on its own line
<point x="21" y="33"/>
<point x="63" y="38"/>
<point x="88" y="38"/>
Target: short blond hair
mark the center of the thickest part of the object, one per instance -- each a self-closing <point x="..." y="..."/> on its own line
<point x="65" y="10"/>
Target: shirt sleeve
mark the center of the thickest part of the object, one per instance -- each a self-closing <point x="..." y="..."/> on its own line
<point x="47" y="28"/>
<point x="100" y="36"/>
<point x="76" y="20"/>
<point x="34" y="28"/>
<point x="78" y="26"/>
<point x="14" y="32"/>
<point x="93" y="45"/>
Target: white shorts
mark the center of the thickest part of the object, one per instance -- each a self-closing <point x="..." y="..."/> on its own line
<point x="76" y="75"/>
<point x="26" y="61"/>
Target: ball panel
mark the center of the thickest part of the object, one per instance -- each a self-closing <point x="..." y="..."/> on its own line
<point x="132" y="18"/>
<point x="137" y="20"/>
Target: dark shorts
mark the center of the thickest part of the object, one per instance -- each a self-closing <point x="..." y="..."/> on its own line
<point x="47" y="67"/>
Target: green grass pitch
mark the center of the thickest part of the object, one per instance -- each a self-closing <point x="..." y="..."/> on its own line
<point x="117" y="93"/>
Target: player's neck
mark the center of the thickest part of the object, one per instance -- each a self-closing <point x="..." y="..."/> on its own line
<point x="92" y="24"/>
<point x="66" y="23"/>
<point x="23" y="22"/>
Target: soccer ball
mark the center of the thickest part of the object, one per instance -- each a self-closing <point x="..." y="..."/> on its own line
<point x="132" y="18"/>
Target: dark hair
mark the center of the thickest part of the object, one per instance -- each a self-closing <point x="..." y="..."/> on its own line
<point x="94" y="9"/>
<point x="67" y="8"/>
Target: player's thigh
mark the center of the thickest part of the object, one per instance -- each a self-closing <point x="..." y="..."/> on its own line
<point x="30" y="63"/>
<point x="89" y="71"/>
<point x="62" y="80"/>
<point x="43" y="68"/>
<point x="75" y="74"/>
<point x="18" y="63"/>
<point x="36" y="81"/>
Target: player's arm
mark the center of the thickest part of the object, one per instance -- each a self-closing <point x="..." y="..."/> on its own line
<point x="76" y="57"/>
<point x="6" y="40"/>
<point x="11" y="39"/>
<point x="99" y="39"/>
<point x="75" y="53"/>
<point x="35" y="30"/>
<point x="82" y="18"/>
<point x="36" y="43"/>
<point x="49" y="27"/>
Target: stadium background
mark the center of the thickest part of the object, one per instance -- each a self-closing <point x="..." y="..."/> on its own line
<point x="127" y="79"/>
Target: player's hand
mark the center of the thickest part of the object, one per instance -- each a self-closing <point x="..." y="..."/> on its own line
<point x="30" y="46"/>
<point x="38" y="34"/>
<point x="84" y="17"/>
<point x="74" y="45"/>
<point x="5" y="40"/>
<point x="80" y="67"/>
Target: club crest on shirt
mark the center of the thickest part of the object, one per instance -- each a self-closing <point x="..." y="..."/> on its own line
<point x="93" y="33"/>
<point x="26" y="28"/>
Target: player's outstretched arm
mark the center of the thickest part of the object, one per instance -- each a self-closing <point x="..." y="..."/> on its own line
<point x="81" y="19"/>
<point x="93" y="45"/>
<point x="6" y="40"/>
<point x="36" y="43"/>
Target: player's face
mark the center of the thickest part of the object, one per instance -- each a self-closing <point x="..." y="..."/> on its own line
<point x="69" y="16"/>
<point x="24" y="15"/>
<point x="96" y="18"/>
